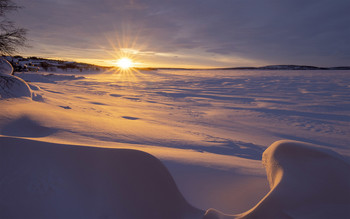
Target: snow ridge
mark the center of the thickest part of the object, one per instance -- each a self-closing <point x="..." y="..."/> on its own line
<point x="306" y="182"/>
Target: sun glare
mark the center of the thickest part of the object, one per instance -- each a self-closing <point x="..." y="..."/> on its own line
<point x="125" y="63"/>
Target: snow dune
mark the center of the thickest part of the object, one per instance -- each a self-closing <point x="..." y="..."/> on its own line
<point x="208" y="129"/>
<point x="11" y="86"/>
<point x="5" y="67"/>
<point x="46" y="180"/>
<point x="306" y="182"/>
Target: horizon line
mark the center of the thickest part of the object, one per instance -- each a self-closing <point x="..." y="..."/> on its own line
<point x="185" y="68"/>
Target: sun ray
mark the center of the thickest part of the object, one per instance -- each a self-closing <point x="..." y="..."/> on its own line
<point x="125" y="49"/>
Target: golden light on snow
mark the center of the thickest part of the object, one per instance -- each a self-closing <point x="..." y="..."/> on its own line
<point x="125" y="63"/>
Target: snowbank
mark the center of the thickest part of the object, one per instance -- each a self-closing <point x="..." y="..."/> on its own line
<point x="46" y="180"/>
<point x="209" y="128"/>
<point x="5" y="67"/>
<point x="11" y="86"/>
<point x="306" y="182"/>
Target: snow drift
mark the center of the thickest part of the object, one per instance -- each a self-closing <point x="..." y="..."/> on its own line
<point x="5" y="67"/>
<point x="208" y="127"/>
<point x="26" y="127"/>
<point x="46" y="180"/>
<point x="306" y="182"/>
<point x="11" y="86"/>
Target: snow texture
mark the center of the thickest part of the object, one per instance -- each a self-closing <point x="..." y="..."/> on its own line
<point x="306" y="182"/>
<point x="5" y="67"/>
<point x="11" y="86"/>
<point x="208" y="128"/>
<point x="45" y="180"/>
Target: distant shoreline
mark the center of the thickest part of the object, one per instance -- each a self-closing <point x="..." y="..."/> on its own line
<point x="268" y="67"/>
<point x="18" y="61"/>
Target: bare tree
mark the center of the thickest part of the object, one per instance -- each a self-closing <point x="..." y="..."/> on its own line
<point x="11" y="37"/>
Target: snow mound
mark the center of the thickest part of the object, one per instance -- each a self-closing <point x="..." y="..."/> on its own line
<point x="5" y="67"/>
<point x="26" y="127"/>
<point x="12" y="86"/>
<point x="306" y="182"/>
<point x="46" y="180"/>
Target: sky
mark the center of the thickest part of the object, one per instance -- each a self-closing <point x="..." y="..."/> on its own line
<point x="188" y="33"/>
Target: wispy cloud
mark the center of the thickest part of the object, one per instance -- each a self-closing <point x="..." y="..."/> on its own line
<point x="271" y="31"/>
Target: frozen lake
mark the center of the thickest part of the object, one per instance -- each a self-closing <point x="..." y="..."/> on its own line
<point x="208" y="127"/>
<point x="249" y="108"/>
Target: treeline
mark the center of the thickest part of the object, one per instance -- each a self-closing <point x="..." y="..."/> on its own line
<point x="34" y="63"/>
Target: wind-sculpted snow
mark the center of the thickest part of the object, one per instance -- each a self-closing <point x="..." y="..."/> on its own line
<point x="5" y="67"/>
<point x="12" y="86"/>
<point x="45" y="180"/>
<point x="26" y="127"/>
<point x="209" y="128"/>
<point x="46" y="78"/>
<point x="306" y="182"/>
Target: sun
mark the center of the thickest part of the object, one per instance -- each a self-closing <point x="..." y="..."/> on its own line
<point x="125" y="63"/>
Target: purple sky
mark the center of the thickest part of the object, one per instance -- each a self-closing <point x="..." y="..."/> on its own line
<point x="189" y="33"/>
